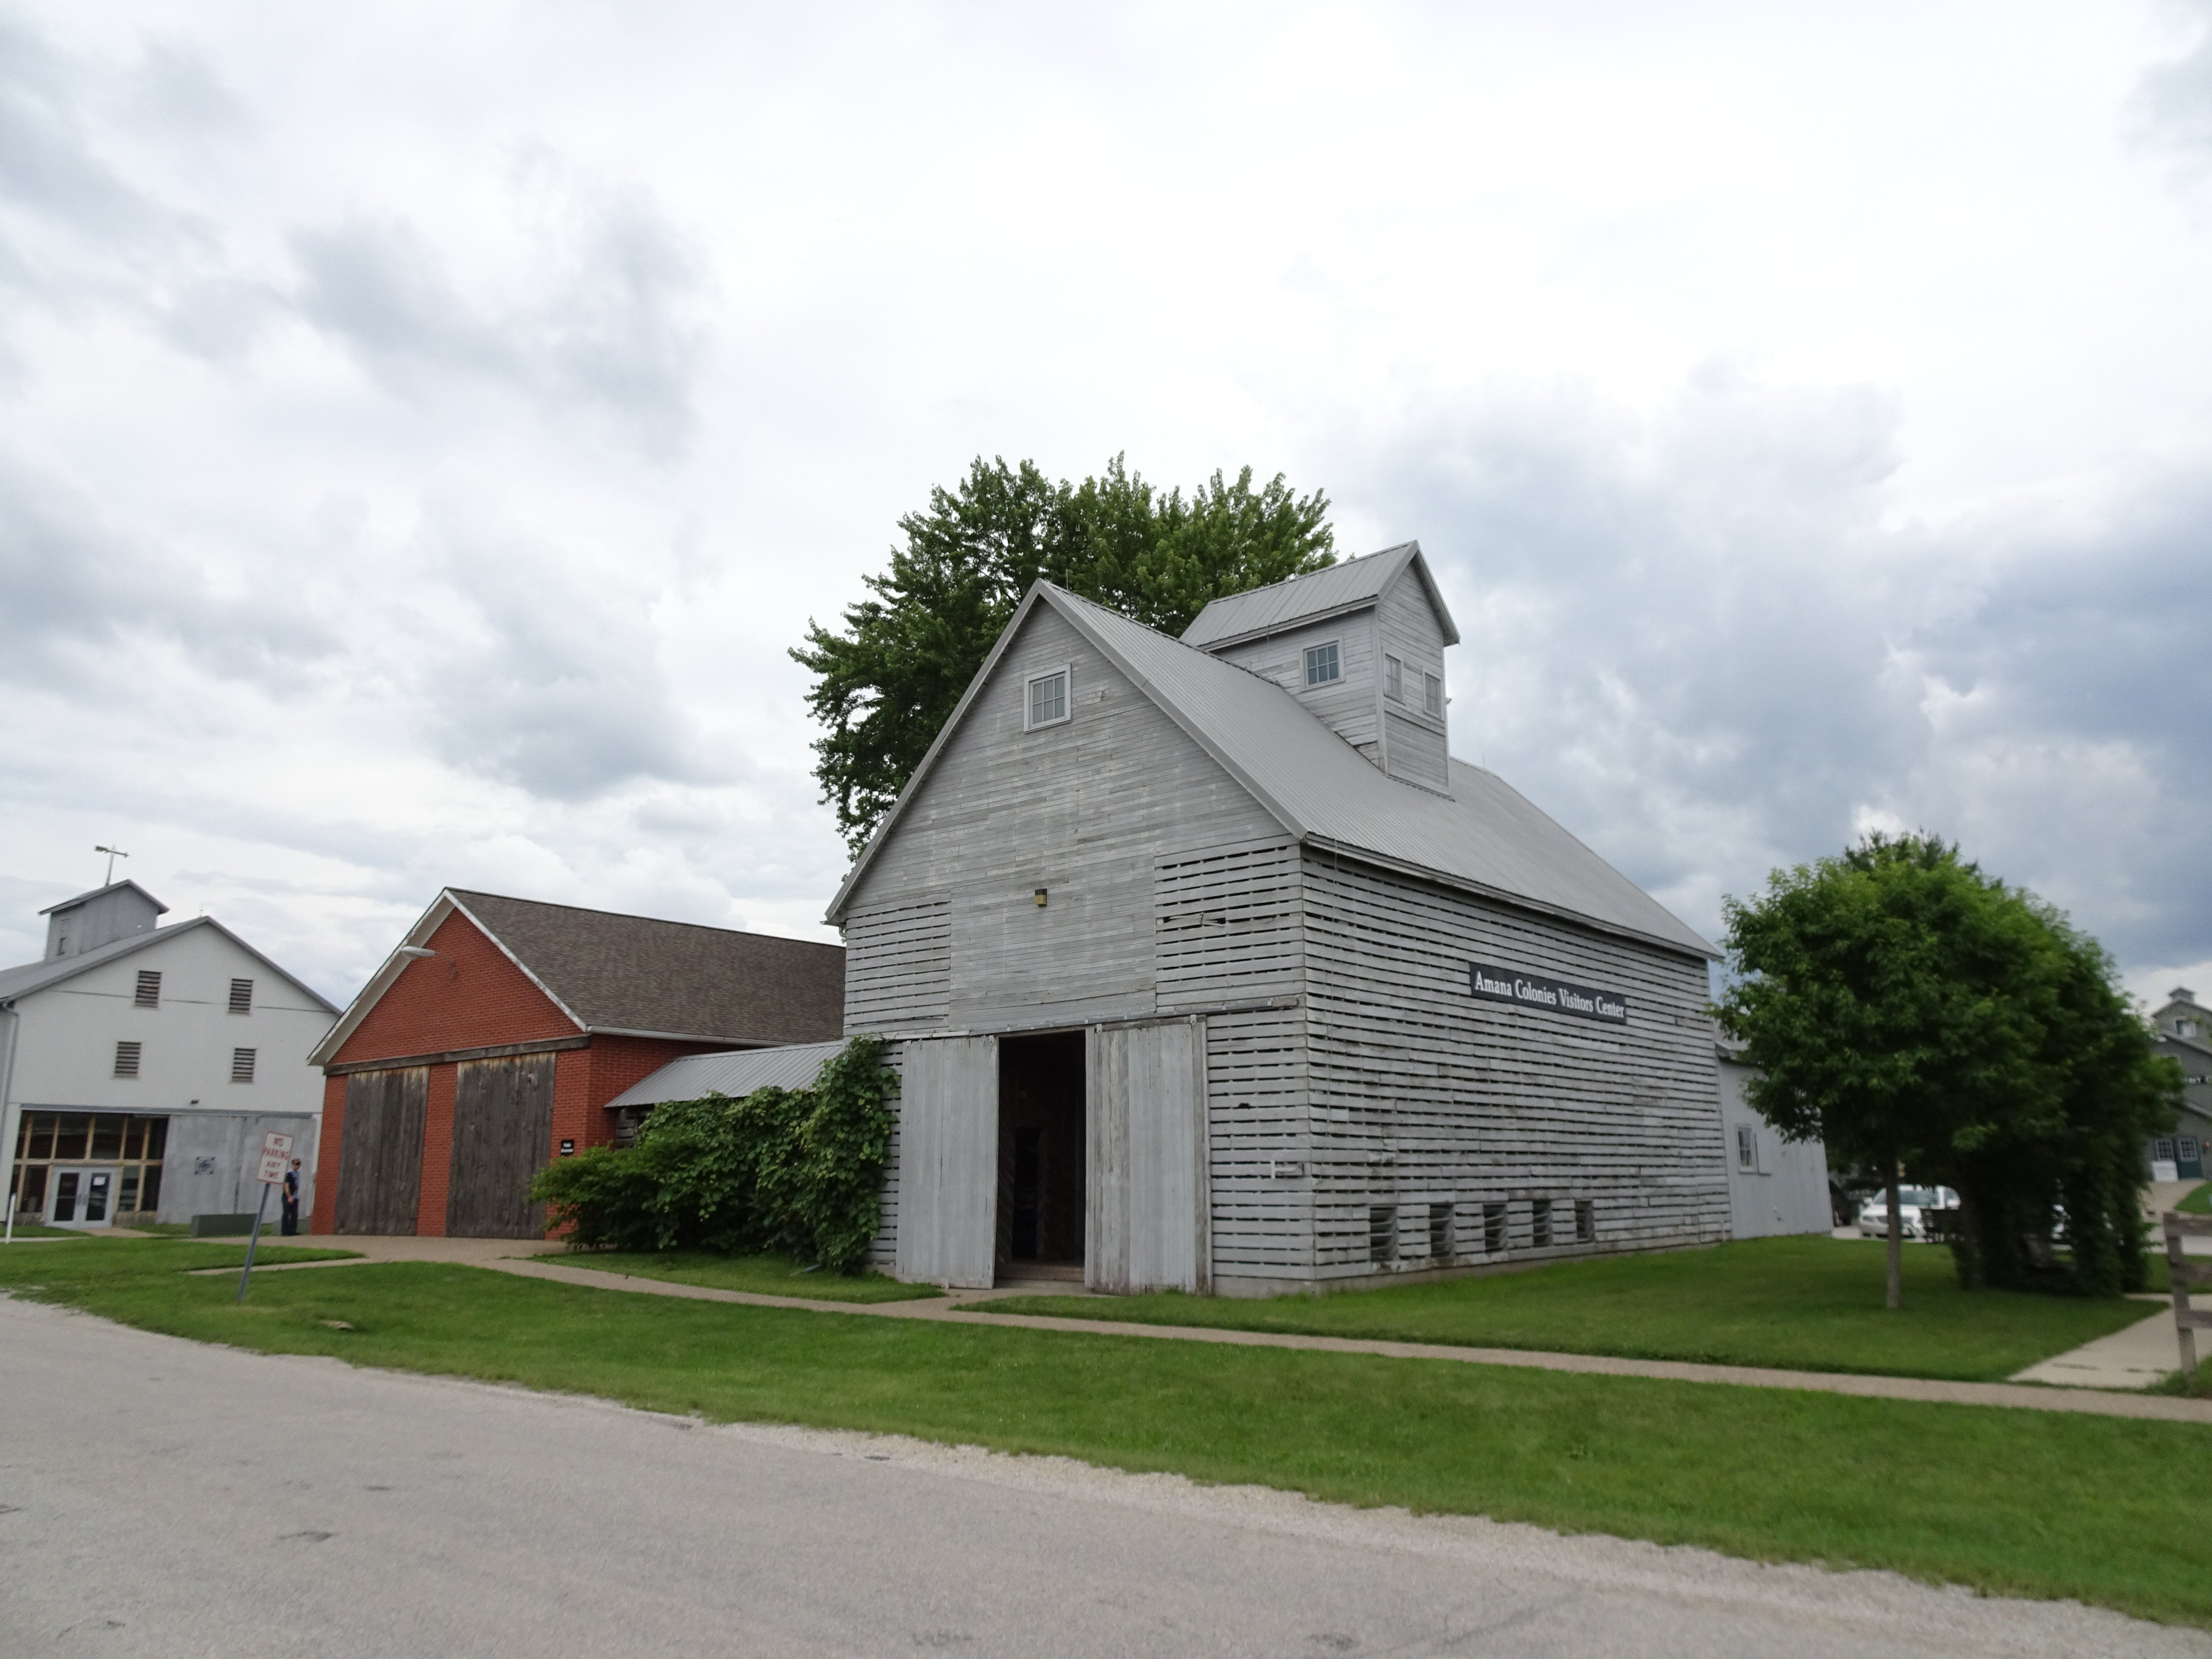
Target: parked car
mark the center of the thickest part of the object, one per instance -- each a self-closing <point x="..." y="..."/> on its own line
<point x="1873" y="1214"/>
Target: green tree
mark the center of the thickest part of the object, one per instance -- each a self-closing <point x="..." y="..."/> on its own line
<point x="885" y="686"/>
<point x="1912" y="1012"/>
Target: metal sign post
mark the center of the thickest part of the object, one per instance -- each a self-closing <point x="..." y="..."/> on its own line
<point x="275" y="1149"/>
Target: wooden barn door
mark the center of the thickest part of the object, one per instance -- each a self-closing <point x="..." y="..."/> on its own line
<point x="1148" y="1211"/>
<point x="503" y="1136"/>
<point x="380" y="1151"/>
<point x="949" y="1162"/>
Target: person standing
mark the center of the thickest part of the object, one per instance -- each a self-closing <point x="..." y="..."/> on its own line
<point x="290" y="1224"/>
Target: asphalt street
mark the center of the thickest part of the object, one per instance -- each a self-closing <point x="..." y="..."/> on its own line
<point x="162" y="1497"/>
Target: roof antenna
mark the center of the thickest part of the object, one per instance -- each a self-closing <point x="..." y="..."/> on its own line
<point x="113" y="853"/>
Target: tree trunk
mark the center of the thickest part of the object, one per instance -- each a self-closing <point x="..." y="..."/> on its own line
<point x="1896" y="1294"/>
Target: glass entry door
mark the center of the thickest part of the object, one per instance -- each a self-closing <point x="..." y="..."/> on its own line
<point x="81" y="1198"/>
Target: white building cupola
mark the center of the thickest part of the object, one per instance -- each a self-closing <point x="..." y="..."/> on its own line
<point x="1361" y="644"/>
<point x="100" y="917"/>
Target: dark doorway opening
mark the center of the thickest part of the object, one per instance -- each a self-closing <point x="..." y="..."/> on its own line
<point x="1040" y="1156"/>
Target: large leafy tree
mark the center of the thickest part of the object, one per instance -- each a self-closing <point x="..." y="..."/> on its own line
<point x="1914" y="1012"/>
<point x="885" y="686"/>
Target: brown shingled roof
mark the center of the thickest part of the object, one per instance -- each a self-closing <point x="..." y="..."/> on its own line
<point x="618" y="973"/>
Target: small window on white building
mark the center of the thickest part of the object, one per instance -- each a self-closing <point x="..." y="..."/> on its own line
<point x="1746" y="1148"/>
<point x="1322" y="663"/>
<point x="1047" y="700"/>
<point x="2186" y="1027"/>
<point x="241" y="996"/>
<point x="1432" y="701"/>
<point x="1394" y="679"/>
<point x="126" y="1059"/>
<point x="149" y="989"/>
<point x="241" y="1065"/>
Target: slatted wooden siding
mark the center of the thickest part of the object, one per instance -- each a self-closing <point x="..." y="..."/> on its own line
<point x="1225" y="925"/>
<point x="503" y="1136"/>
<point x="1258" y="1136"/>
<point x="1147" y="1215"/>
<point x="380" y="1151"/>
<point x="948" y="1185"/>
<point x="1085" y="810"/>
<point x="1421" y="1094"/>
<point x="898" y="967"/>
<point x="883" y="1250"/>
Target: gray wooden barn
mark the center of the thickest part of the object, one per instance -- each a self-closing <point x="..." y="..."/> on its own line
<point x="1209" y="967"/>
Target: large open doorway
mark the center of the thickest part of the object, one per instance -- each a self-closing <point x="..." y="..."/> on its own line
<point x="1041" y="1156"/>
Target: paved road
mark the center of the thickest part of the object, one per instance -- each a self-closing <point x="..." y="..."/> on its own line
<point x="160" y="1498"/>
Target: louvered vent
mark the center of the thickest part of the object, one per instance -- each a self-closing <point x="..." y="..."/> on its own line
<point x="241" y="996"/>
<point x="126" y="1059"/>
<point x="241" y="1065"/>
<point x="149" y="989"/>
<point x="1440" y="1230"/>
<point x="1382" y="1233"/>
<point x="1541" y="1222"/>
<point x="1585" y="1222"/>
<point x="1493" y="1230"/>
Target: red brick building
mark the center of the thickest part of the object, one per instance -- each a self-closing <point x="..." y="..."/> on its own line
<point x="492" y="1039"/>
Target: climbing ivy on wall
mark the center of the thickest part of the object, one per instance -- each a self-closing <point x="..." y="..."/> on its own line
<point x="793" y="1170"/>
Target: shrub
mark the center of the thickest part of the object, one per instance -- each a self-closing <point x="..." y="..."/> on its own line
<point x="793" y="1170"/>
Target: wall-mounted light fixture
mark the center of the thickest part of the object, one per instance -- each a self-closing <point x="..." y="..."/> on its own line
<point x="414" y="952"/>
<point x="1041" y="897"/>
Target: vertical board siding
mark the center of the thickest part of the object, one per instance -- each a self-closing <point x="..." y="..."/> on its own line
<point x="948" y="1186"/>
<point x="1421" y="1094"/>
<point x="1416" y="745"/>
<point x="380" y="1154"/>
<point x="503" y="1136"/>
<point x="1146" y="1214"/>
<point x="1084" y="810"/>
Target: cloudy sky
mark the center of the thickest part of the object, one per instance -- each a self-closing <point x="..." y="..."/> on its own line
<point x="424" y="429"/>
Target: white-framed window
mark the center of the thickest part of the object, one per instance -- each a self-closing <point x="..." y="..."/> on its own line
<point x="1394" y="679"/>
<point x="1323" y="664"/>
<point x="2186" y="1027"/>
<point x="241" y="1065"/>
<point x="241" y="996"/>
<point x="127" y="1055"/>
<point x="1746" y="1148"/>
<point x="2160" y="1149"/>
<point x="1047" y="699"/>
<point x="1432" y="701"/>
<point x="149" y="989"/>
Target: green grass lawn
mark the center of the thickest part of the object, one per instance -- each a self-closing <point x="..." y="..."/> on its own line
<point x="2015" y="1502"/>
<point x="33" y="1230"/>
<point x="1799" y="1303"/>
<point x="764" y="1275"/>
<point x="2198" y="1202"/>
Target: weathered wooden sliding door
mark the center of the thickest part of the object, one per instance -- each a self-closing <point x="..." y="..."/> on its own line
<point x="1148" y="1213"/>
<point x="381" y="1152"/>
<point x="949" y="1160"/>
<point x="503" y="1136"/>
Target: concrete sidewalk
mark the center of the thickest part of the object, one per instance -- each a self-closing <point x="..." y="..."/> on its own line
<point x="511" y="1256"/>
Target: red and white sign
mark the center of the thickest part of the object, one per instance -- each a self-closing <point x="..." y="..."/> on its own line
<point x="275" y="1153"/>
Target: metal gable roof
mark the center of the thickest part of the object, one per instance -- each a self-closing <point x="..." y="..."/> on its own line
<point x="16" y="982"/>
<point x="1323" y="593"/>
<point x="737" y="1074"/>
<point x="1486" y="837"/>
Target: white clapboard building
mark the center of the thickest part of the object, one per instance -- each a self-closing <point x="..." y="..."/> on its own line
<point x="1208" y="966"/>
<point x="141" y="1065"/>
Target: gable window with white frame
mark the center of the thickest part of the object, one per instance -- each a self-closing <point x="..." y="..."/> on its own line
<point x="1394" y="679"/>
<point x="1746" y="1148"/>
<point x="1047" y="699"/>
<point x="1432" y="695"/>
<point x="1323" y="664"/>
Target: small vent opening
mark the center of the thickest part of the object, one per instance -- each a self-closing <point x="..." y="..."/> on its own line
<point x="241" y="1065"/>
<point x="1541" y="1222"/>
<point x="1493" y="1230"/>
<point x="1440" y="1230"/>
<point x="1585" y="1222"/>
<point x="126" y="1059"/>
<point x="1382" y="1233"/>
<point x="241" y="996"/>
<point x="149" y="989"/>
